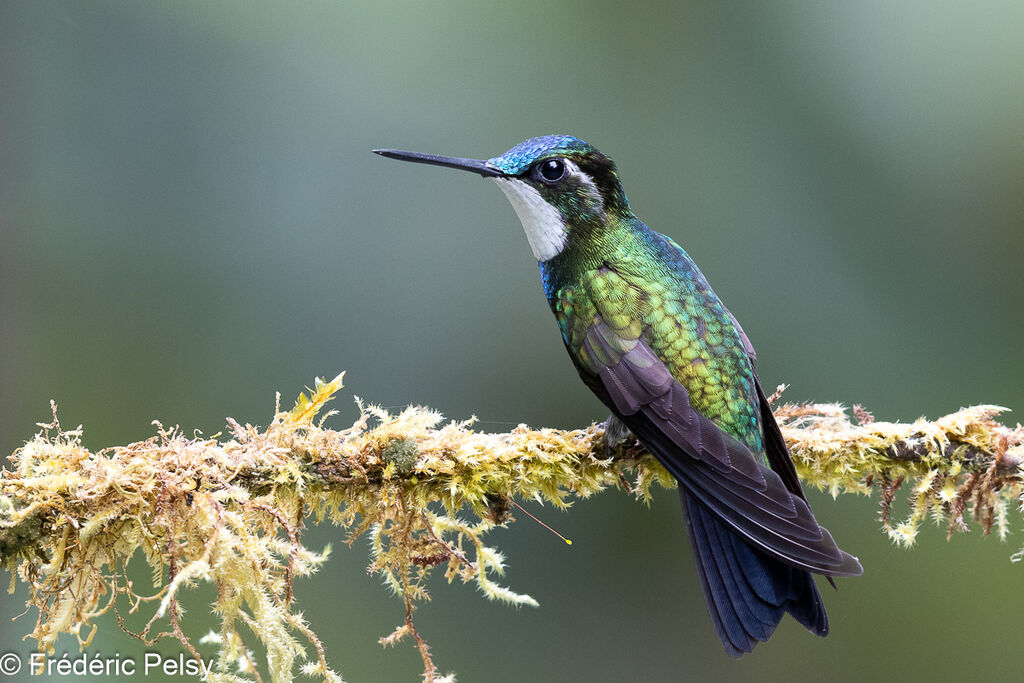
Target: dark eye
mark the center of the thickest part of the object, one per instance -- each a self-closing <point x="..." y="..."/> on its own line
<point x="552" y="170"/>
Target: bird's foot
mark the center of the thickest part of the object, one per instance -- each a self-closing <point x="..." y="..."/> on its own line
<point x="616" y="433"/>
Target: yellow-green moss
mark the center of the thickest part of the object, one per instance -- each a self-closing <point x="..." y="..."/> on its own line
<point x="230" y="511"/>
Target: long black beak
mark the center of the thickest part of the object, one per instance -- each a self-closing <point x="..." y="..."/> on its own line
<point x="471" y="165"/>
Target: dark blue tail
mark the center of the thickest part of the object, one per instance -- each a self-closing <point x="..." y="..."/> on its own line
<point x="747" y="591"/>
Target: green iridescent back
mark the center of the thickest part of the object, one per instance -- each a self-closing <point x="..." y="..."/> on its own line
<point x="642" y="285"/>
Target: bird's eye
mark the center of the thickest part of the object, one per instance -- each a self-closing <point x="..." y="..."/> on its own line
<point x="551" y="170"/>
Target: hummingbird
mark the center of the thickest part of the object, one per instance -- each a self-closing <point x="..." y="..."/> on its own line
<point x="655" y="344"/>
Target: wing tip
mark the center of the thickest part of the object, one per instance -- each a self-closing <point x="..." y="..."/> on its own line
<point x="851" y="566"/>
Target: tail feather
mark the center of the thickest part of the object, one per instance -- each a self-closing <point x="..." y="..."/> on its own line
<point x="747" y="592"/>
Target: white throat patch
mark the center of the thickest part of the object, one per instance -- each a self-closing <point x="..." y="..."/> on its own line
<point x="542" y="222"/>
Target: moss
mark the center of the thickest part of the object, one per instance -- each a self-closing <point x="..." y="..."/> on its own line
<point x="230" y="511"/>
<point x="964" y="462"/>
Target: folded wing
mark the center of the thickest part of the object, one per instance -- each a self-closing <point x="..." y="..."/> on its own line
<point x="712" y="466"/>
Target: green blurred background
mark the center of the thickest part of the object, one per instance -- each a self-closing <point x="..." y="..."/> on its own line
<point x="191" y="220"/>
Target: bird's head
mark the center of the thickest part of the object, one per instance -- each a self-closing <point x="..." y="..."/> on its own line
<point x="560" y="186"/>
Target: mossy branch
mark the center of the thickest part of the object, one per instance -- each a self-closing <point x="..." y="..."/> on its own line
<point x="231" y="510"/>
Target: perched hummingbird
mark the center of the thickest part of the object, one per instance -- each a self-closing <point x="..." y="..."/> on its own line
<point x="654" y="343"/>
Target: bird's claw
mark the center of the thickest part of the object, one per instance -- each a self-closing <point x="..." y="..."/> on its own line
<point x="616" y="433"/>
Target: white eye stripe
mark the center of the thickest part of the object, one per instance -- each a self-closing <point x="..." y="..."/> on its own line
<point x="588" y="185"/>
<point x="543" y="224"/>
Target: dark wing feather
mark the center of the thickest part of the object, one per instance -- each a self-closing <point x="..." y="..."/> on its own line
<point x="712" y="466"/>
<point x="774" y="445"/>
